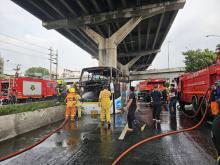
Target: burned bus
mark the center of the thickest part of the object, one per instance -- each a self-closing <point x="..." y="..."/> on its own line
<point x="91" y="83"/>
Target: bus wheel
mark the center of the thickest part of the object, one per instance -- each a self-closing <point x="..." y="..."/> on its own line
<point x="194" y="104"/>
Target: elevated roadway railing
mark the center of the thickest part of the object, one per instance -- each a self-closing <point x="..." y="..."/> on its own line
<point x="170" y="73"/>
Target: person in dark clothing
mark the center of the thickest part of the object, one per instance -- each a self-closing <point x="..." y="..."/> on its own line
<point x="173" y="100"/>
<point x="156" y="96"/>
<point x="131" y="108"/>
<point x="218" y="95"/>
<point x="212" y="101"/>
<point x="164" y="96"/>
<point x="213" y="94"/>
<point x="216" y="135"/>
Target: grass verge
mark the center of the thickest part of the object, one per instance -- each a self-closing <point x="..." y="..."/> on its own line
<point x="16" y="108"/>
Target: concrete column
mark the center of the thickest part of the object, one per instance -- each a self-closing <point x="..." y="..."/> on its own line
<point x="108" y="46"/>
<point x="107" y="53"/>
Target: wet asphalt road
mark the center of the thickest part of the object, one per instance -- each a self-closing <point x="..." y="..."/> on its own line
<point x="83" y="142"/>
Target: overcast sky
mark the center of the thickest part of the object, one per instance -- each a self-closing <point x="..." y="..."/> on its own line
<point x="196" y="20"/>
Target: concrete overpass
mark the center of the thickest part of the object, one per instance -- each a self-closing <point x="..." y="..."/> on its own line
<point x="121" y="33"/>
<point x="157" y="73"/>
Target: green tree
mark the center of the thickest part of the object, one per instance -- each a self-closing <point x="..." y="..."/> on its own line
<point x="166" y="84"/>
<point x="36" y="71"/>
<point x="198" y="59"/>
<point x="218" y="50"/>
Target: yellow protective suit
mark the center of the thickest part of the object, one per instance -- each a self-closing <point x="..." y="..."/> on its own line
<point x="70" y="105"/>
<point x="105" y="104"/>
<point x="78" y="105"/>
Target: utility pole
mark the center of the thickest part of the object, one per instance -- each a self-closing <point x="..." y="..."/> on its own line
<point x="56" y="64"/>
<point x="168" y="54"/>
<point x="51" y="60"/>
<point x="17" y="69"/>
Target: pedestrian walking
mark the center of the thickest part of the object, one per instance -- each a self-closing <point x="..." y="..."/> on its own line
<point x="173" y="100"/>
<point x="105" y="104"/>
<point x="131" y="108"/>
<point x="156" y="97"/>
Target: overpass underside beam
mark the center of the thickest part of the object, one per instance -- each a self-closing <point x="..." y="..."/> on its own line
<point x="107" y="53"/>
<point x="108" y="46"/>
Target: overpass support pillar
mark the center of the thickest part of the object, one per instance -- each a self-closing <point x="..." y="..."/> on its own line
<point x="108" y="46"/>
<point x="107" y="53"/>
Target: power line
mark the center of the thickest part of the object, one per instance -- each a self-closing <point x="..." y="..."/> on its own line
<point x="26" y="54"/>
<point x="33" y="44"/>
<point x="22" y="47"/>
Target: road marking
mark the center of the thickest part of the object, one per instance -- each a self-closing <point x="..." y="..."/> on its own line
<point x="142" y="128"/>
<point x="122" y="136"/>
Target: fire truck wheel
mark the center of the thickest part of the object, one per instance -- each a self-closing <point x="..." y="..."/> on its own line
<point x="194" y="103"/>
<point x="5" y="102"/>
<point x="203" y="106"/>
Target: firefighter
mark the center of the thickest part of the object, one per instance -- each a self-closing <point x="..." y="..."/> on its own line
<point x="216" y="136"/>
<point x="105" y="104"/>
<point x="59" y="91"/>
<point x="78" y="105"/>
<point x="173" y="100"/>
<point x="71" y="104"/>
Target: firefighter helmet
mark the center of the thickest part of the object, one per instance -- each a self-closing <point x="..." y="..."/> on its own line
<point x="72" y="90"/>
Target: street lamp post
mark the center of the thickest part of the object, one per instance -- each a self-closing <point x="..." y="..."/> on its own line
<point x="168" y="47"/>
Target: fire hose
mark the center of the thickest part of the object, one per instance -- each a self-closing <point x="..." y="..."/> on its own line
<point x="116" y="161"/>
<point x="199" y="109"/>
<point x="35" y="144"/>
<point x="125" y="152"/>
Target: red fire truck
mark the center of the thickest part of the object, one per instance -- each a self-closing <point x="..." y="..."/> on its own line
<point x="192" y="87"/>
<point x="25" y="88"/>
<point x="145" y="88"/>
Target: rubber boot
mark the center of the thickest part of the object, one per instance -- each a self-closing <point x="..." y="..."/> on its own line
<point x="102" y="123"/>
<point x="109" y="125"/>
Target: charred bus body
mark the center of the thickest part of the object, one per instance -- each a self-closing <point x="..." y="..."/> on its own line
<point x="91" y="83"/>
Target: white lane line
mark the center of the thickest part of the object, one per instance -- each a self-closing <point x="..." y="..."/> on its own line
<point x="122" y="136"/>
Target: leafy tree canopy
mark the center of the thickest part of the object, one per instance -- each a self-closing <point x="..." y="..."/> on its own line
<point x="218" y="50"/>
<point x="36" y="71"/>
<point x="198" y="59"/>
